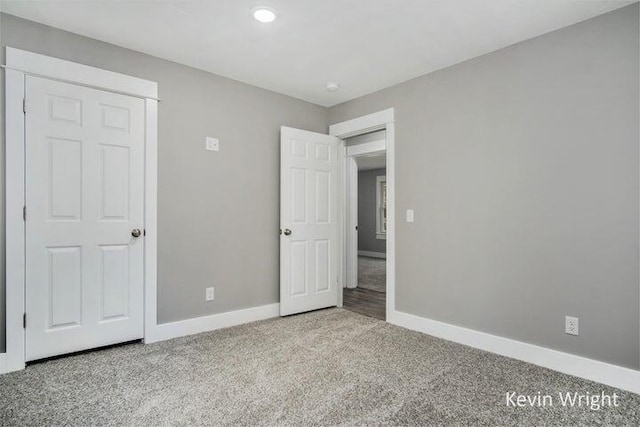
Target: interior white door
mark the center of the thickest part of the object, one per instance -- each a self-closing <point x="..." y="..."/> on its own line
<point x="309" y="245"/>
<point x="84" y="207"/>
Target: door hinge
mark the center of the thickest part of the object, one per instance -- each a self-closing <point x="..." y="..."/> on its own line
<point x="24" y="213"/>
<point x="24" y="105"/>
<point x="24" y="320"/>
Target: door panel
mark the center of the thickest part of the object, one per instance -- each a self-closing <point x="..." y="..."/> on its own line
<point x="64" y="286"/>
<point x="115" y="282"/>
<point x="84" y="195"/>
<point x="65" y="179"/>
<point x="323" y="265"/>
<point x="298" y="271"/>
<point x="115" y="180"/>
<point x="308" y="208"/>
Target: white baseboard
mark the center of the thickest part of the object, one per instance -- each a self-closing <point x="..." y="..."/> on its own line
<point x="605" y="373"/>
<point x="3" y="363"/>
<point x="166" y="331"/>
<point x="373" y="254"/>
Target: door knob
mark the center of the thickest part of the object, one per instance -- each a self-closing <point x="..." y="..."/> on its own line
<point x="136" y="232"/>
<point x="287" y="232"/>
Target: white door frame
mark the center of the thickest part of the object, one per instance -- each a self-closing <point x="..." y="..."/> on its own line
<point x="381" y="120"/>
<point x="351" y="222"/>
<point x="20" y="64"/>
<point x="352" y="152"/>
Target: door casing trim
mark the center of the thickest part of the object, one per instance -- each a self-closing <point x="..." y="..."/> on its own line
<point x="381" y="120"/>
<point x="20" y="64"/>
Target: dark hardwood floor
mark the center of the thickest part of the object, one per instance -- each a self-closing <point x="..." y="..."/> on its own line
<point x="364" y="301"/>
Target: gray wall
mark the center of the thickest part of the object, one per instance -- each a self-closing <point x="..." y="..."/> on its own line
<point x="218" y="213"/>
<point x="367" y="212"/>
<point x="522" y="168"/>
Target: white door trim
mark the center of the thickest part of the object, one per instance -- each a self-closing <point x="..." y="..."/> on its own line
<point x="351" y="234"/>
<point x="359" y="126"/>
<point x="3" y="362"/>
<point x="19" y="64"/>
<point x="70" y="72"/>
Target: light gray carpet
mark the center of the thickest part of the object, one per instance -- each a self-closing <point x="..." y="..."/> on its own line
<point x="372" y="274"/>
<point x="327" y="367"/>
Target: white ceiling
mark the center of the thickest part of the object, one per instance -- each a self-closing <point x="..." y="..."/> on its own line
<point x="364" y="45"/>
<point x="371" y="161"/>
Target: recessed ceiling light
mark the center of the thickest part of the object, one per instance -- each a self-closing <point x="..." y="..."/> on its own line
<point x="332" y="86"/>
<point x="264" y="14"/>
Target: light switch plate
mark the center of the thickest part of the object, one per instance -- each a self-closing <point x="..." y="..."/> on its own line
<point x="209" y="295"/>
<point x="410" y="216"/>
<point x="212" y="144"/>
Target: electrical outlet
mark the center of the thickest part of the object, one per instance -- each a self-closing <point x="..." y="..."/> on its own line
<point x="209" y="295"/>
<point x="571" y="325"/>
<point x="212" y="144"/>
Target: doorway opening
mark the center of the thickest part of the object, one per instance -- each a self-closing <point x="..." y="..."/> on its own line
<point x="365" y="288"/>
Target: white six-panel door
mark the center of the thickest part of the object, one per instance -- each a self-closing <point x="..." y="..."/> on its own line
<point x="84" y="203"/>
<point x="309" y="221"/>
